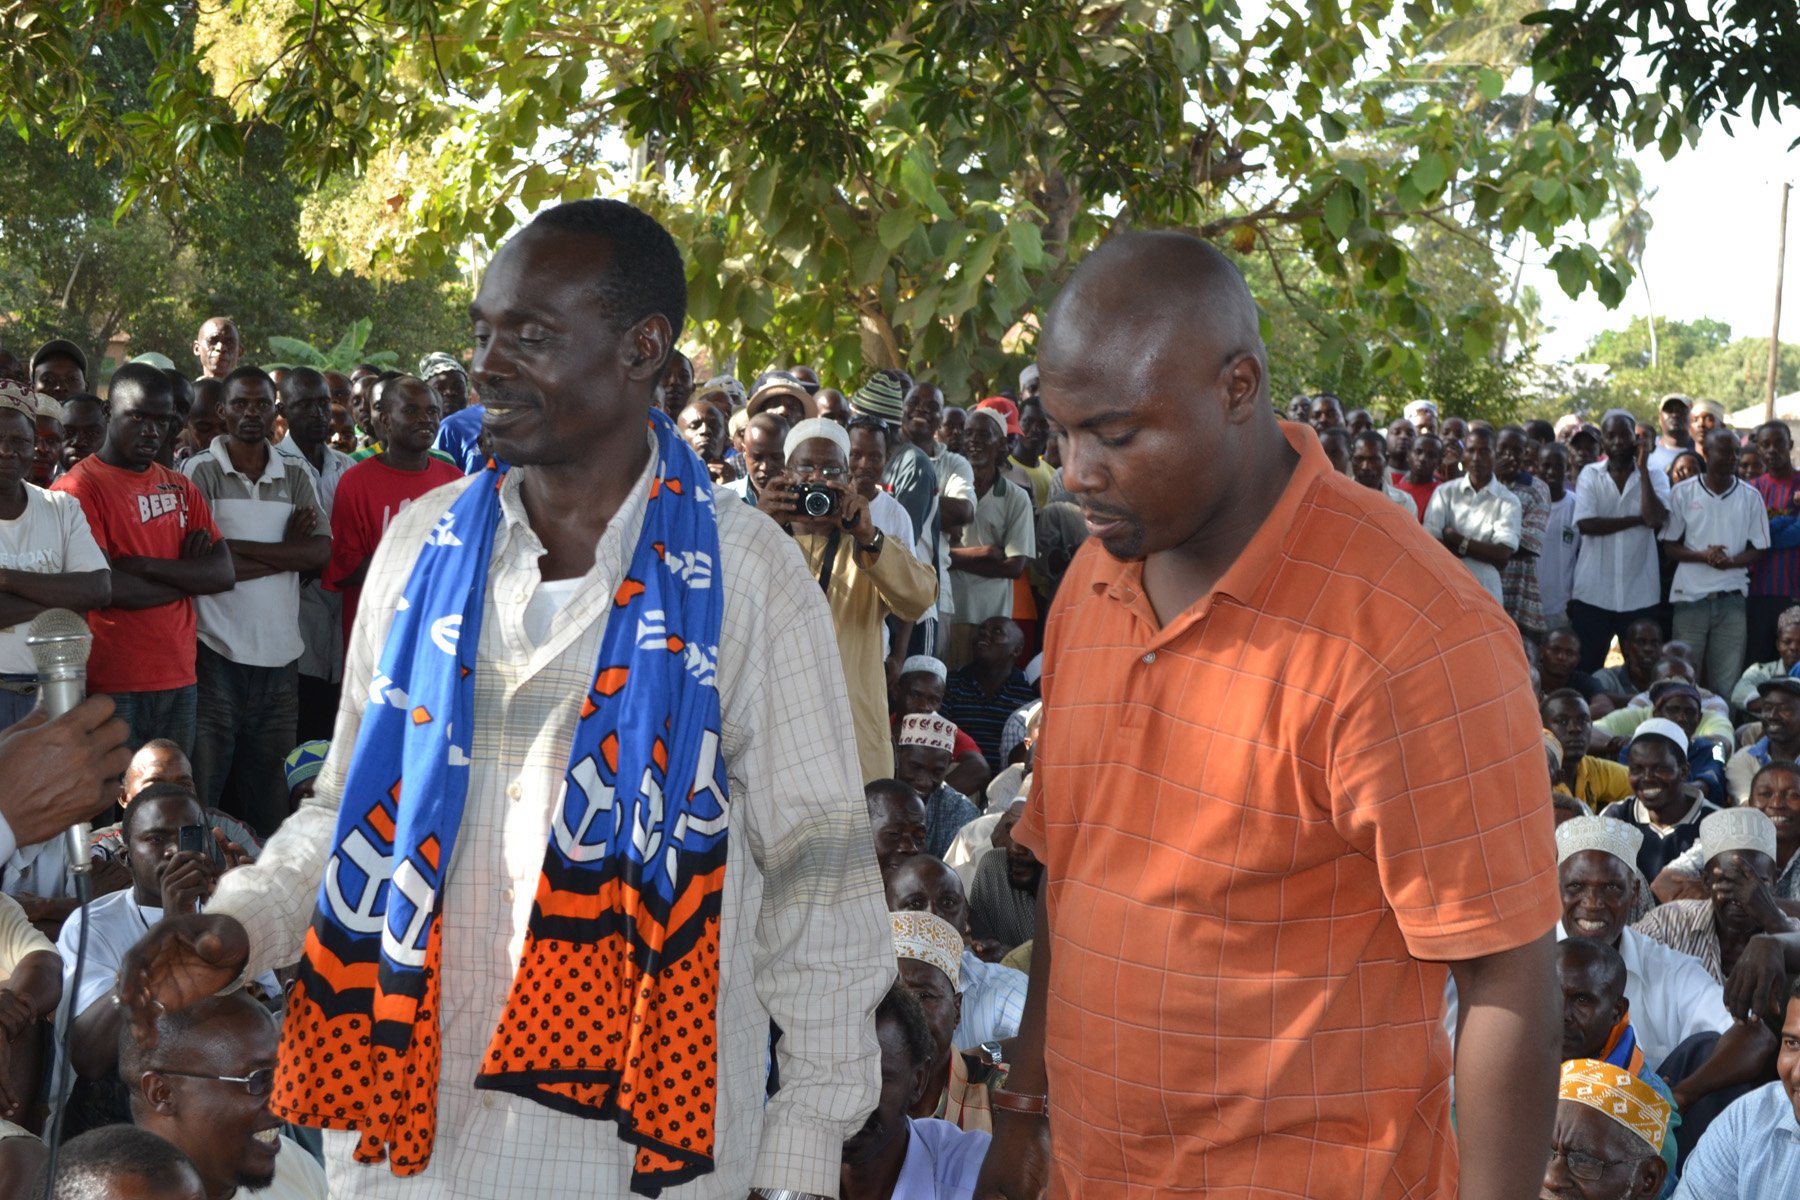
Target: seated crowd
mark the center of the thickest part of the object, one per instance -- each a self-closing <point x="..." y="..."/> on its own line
<point x="216" y="533"/>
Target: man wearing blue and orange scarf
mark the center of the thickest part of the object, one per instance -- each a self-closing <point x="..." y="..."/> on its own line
<point x="589" y="823"/>
<point x="1597" y="1023"/>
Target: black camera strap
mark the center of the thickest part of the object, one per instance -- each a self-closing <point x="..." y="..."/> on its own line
<point x="830" y="560"/>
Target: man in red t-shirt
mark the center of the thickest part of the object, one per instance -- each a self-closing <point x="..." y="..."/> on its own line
<point x="406" y="415"/>
<point x="1421" y="480"/>
<point x="164" y="549"/>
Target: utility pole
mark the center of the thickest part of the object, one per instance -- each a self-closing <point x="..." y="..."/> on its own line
<point x="1775" y="330"/>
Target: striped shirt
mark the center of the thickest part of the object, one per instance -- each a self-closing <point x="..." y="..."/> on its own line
<point x="981" y="716"/>
<point x="993" y="1002"/>
<point x="1687" y="926"/>
<point x="1777" y="572"/>
<point x="1751" y="1151"/>
<point x="805" y="938"/>
<point x="256" y="623"/>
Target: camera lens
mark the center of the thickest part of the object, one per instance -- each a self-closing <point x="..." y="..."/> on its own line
<point x="818" y="504"/>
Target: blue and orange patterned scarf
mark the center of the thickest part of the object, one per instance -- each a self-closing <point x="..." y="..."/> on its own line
<point x="612" y="1013"/>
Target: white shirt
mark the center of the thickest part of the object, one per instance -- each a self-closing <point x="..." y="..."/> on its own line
<point x="298" y="1176"/>
<point x="1003" y="518"/>
<point x="1617" y="572"/>
<point x="40" y="870"/>
<point x="1489" y="514"/>
<point x="257" y="622"/>
<point x="804" y="935"/>
<point x="117" y="921"/>
<point x="942" y="1162"/>
<point x="1698" y="519"/>
<point x="324" y="480"/>
<point x="1556" y="561"/>
<point x="993" y="1002"/>
<point x="956" y="481"/>
<point x="891" y="518"/>
<point x="51" y="537"/>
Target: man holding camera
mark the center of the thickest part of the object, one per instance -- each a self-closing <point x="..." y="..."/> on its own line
<point x="175" y="862"/>
<point x="865" y="574"/>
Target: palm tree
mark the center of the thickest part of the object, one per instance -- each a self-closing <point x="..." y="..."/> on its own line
<point x="1630" y="237"/>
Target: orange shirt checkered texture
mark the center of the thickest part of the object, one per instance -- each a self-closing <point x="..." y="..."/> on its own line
<point x="1257" y="821"/>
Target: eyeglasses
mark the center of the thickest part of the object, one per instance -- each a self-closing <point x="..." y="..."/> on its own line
<point x="257" y="1083"/>
<point x="1588" y="1167"/>
<point x="807" y="471"/>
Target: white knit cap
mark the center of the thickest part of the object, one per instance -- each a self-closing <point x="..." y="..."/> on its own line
<point x="1605" y="834"/>
<point x="927" y="729"/>
<point x="998" y="419"/>
<point x="926" y="665"/>
<point x="816" y="427"/>
<point x="1418" y="406"/>
<point x="1737" y="829"/>
<point x="1662" y="727"/>
<point x="930" y="939"/>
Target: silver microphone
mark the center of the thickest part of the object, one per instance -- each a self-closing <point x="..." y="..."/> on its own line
<point x="60" y="643"/>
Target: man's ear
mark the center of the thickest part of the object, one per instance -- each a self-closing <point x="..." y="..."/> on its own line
<point x="158" y="1096"/>
<point x="916" y="1092"/>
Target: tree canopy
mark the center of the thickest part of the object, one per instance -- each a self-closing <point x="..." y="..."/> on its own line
<point x="1697" y="358"/>
<point x="891" y="181"/>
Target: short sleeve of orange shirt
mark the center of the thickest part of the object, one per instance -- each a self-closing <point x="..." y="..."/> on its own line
<point x="1265" y="827"/>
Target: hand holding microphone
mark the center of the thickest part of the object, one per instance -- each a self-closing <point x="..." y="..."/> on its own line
<point x="58" y="765"/>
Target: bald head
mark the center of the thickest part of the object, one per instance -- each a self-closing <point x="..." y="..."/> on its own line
<point x="926" y="884"/>
<point x="1152" y="361"/>
<point x="1142" y="295"/>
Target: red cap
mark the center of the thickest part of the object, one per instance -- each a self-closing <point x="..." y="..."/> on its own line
<point x="1005" y="408"/>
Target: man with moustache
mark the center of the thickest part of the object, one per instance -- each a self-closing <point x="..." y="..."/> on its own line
<point x="1194" y="588"/>
<point x="217" y="347"/>
<point x="247" y="664"/>
<point x="586" y="633"/>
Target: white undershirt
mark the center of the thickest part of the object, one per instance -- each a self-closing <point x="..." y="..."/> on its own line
<point x="551" y="596"/>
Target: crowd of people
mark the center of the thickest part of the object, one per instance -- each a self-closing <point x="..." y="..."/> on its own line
<point x="343" y="618"/>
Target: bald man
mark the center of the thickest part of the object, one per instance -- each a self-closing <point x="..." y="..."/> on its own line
<point x="1250" y="898"/>
<point x="217" y="346"/>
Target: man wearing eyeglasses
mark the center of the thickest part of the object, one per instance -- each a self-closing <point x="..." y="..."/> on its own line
<point x="864" y="573"/>
<point x="1608" y="1138"/>
<point x="165" y="878"/>
<point x="205" y="1088"/>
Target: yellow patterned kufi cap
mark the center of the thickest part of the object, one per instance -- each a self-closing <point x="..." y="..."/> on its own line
<point x="1620" y="1095"/>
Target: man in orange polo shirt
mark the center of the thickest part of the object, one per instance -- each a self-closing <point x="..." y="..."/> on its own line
<point x="1290" y="777"/>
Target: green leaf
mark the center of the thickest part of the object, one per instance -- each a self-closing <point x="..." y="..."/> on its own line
<point x="915" y="181"/>
<point x="1429" y="174"/>
<point x="895" y="226"/>
<point x="1490" y="83"/>
<point x="868" y="259"/>
<point x="1028" y="243"/>
<point x="1476" y="342"/>
<point x="1340" y="208"/>
<point x="1332" y="127"/>
<point x="1571" y="271"/>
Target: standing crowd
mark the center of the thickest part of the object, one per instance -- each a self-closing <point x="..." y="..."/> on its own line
<point x="563" y="598"/>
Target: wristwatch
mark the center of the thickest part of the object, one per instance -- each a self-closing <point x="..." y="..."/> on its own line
<point x="995" y="1055"/>
<point x="874" y="547"/>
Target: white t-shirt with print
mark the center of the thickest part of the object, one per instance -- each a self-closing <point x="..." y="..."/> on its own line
<point x="51" y="537"/>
